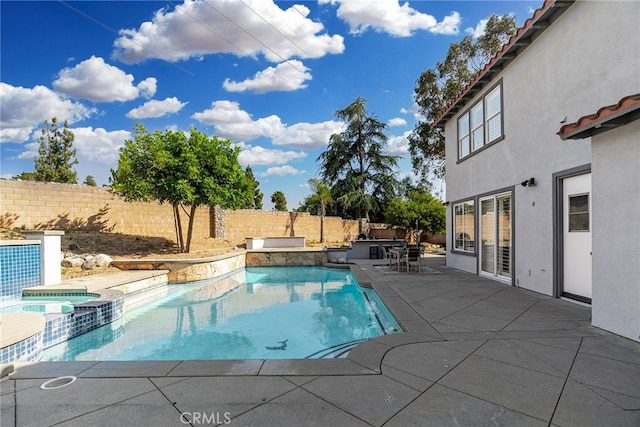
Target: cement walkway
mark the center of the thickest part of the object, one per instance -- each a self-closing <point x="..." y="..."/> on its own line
<point x="476" y="353"/>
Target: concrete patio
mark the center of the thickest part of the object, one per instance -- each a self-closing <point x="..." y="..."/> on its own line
<point x="476" y="352"/>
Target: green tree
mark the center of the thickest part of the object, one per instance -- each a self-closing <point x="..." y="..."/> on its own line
<point x="279" y="201"/>
<point x="354" y="164"/>
<point x="321" y="196"/>
<point x="418" y="207"/>
<point x="254" y="192"/>
<point x="56" y="155"/>
<point x="437" y="87"/>
<point x="25" y="176"/>
<point x="182" y="170"/>
<point x="90" y="181"/>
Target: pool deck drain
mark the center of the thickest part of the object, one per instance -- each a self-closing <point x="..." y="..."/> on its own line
<point x="476" y="352"/>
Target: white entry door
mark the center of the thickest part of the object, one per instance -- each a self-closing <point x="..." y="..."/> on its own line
<point x="576" y="220"/>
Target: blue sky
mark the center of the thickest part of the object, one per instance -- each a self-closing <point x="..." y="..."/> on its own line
<point x="267" y="75"/>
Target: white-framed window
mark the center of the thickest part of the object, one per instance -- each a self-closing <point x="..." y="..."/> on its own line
<point x="493" y="115"/>
<point x="463" y="136"/>
<point x="481" y="124"/>
<point x="464" y="226"/>
<point x="476" y="116"/>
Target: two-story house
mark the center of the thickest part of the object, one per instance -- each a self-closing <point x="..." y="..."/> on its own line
<point x="539" y="194"/>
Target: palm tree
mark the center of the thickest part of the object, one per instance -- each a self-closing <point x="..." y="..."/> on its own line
<point x="354" y="159"/>
<point x="321" y="196"/>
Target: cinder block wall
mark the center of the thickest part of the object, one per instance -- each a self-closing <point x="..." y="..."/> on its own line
<point x="252" y="223"/>
<point x="40" y="205"/>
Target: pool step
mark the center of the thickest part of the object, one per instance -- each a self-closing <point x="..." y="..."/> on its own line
<point x="125" y="281"/>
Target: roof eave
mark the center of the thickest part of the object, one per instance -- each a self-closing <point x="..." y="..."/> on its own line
<point x="533" y="27"/>
<point x="607" y="118"/>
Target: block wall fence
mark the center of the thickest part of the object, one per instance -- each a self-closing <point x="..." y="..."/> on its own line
<point x="47" y="206"/>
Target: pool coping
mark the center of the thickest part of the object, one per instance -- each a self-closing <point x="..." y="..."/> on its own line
<point x="364" y="359"/>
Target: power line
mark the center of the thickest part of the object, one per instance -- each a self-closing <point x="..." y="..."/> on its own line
<point x="251" y="35"/>
<point x="272" y="26"/>
<point x="101" y="24"/>
<point x="208" y="28"/>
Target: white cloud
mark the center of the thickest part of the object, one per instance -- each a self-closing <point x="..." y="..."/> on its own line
<point x="155" y="108"/>
<point x="260" y="156"/>
<point x="243" y="28"/>
<point x="238" y="125"/>
<point x="91" y="145"/>
<point x="148" y="87"/>
<point x="398" y="145"/>
<point x="282" y="171"/>
<point x="99" y="144"/>
<point x="391" y="17"/>
<point x="414" y="110"/>
<point x="22" y="109"/>
<point x="287" y="76"/>
<point x="31" y="151"/>
<point x="397" y="121"/>
<point x="479" y="30"/>
<point x="308" y="135"/>
<point x="95" y="80"/>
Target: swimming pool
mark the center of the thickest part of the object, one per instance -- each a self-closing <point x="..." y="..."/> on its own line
<point x="256" y="313"/>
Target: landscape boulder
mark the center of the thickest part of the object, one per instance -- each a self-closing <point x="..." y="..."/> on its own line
<point x="73" y="261"/>
<point x="87" y="262"/>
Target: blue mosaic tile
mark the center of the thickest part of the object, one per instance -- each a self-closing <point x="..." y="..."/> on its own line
<point x="19" y="269"/>
<point x="60" y="327"/>
<point x="28" y="350"/>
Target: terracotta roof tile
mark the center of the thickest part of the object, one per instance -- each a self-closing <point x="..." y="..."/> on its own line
<point x="605" y="118"/>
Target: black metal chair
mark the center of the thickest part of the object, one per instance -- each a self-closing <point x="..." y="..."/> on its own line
<point x="414" y="255"/>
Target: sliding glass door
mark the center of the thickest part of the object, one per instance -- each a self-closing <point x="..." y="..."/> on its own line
<point x="495" y="233"/>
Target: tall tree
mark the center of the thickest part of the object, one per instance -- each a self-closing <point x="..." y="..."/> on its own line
<point x="254" y="192"/>
<point x="183" y="171"/>
<point x="437" y="87"/>
<point x="90" y="181"/>
<point x="354" y="161"/>
<point x="321" y="196"/>
<point x="279" y="201"/>
<point x="56" y="155"/>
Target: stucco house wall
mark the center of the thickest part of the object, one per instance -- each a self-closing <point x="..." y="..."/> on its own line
<point x="567" y="71"/>
<point x="616" y="230"/>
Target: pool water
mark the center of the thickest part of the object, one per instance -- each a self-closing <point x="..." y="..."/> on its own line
<point x="257" y="313"/>
<point x="44" y="305"/>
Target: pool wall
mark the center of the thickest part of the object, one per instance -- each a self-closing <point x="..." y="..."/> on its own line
<point x="189" y="270"/>
<point x="20" y="261"/>
<point x="288" y="258"/>
<point x="58" y="327"/>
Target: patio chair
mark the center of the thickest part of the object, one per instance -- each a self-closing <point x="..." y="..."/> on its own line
<point x="386" y="258"/>
<point x="414" y="255"/>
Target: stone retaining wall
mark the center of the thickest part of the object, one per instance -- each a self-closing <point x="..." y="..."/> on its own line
<point x="285" y="259"/>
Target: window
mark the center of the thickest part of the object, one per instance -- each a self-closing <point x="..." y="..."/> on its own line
<point x="579" y="213"/>
<point x="481" y="124"/>
<point x="464" y="226"/>
<point x="463" y="132"/>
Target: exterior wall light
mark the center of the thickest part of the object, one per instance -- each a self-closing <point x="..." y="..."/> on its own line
<point x="531" y="182"/>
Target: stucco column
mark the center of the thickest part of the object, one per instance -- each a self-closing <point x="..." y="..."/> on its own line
<point x="50" y="266"/>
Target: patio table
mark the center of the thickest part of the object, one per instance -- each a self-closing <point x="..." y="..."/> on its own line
<point x="395" y="255"/>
